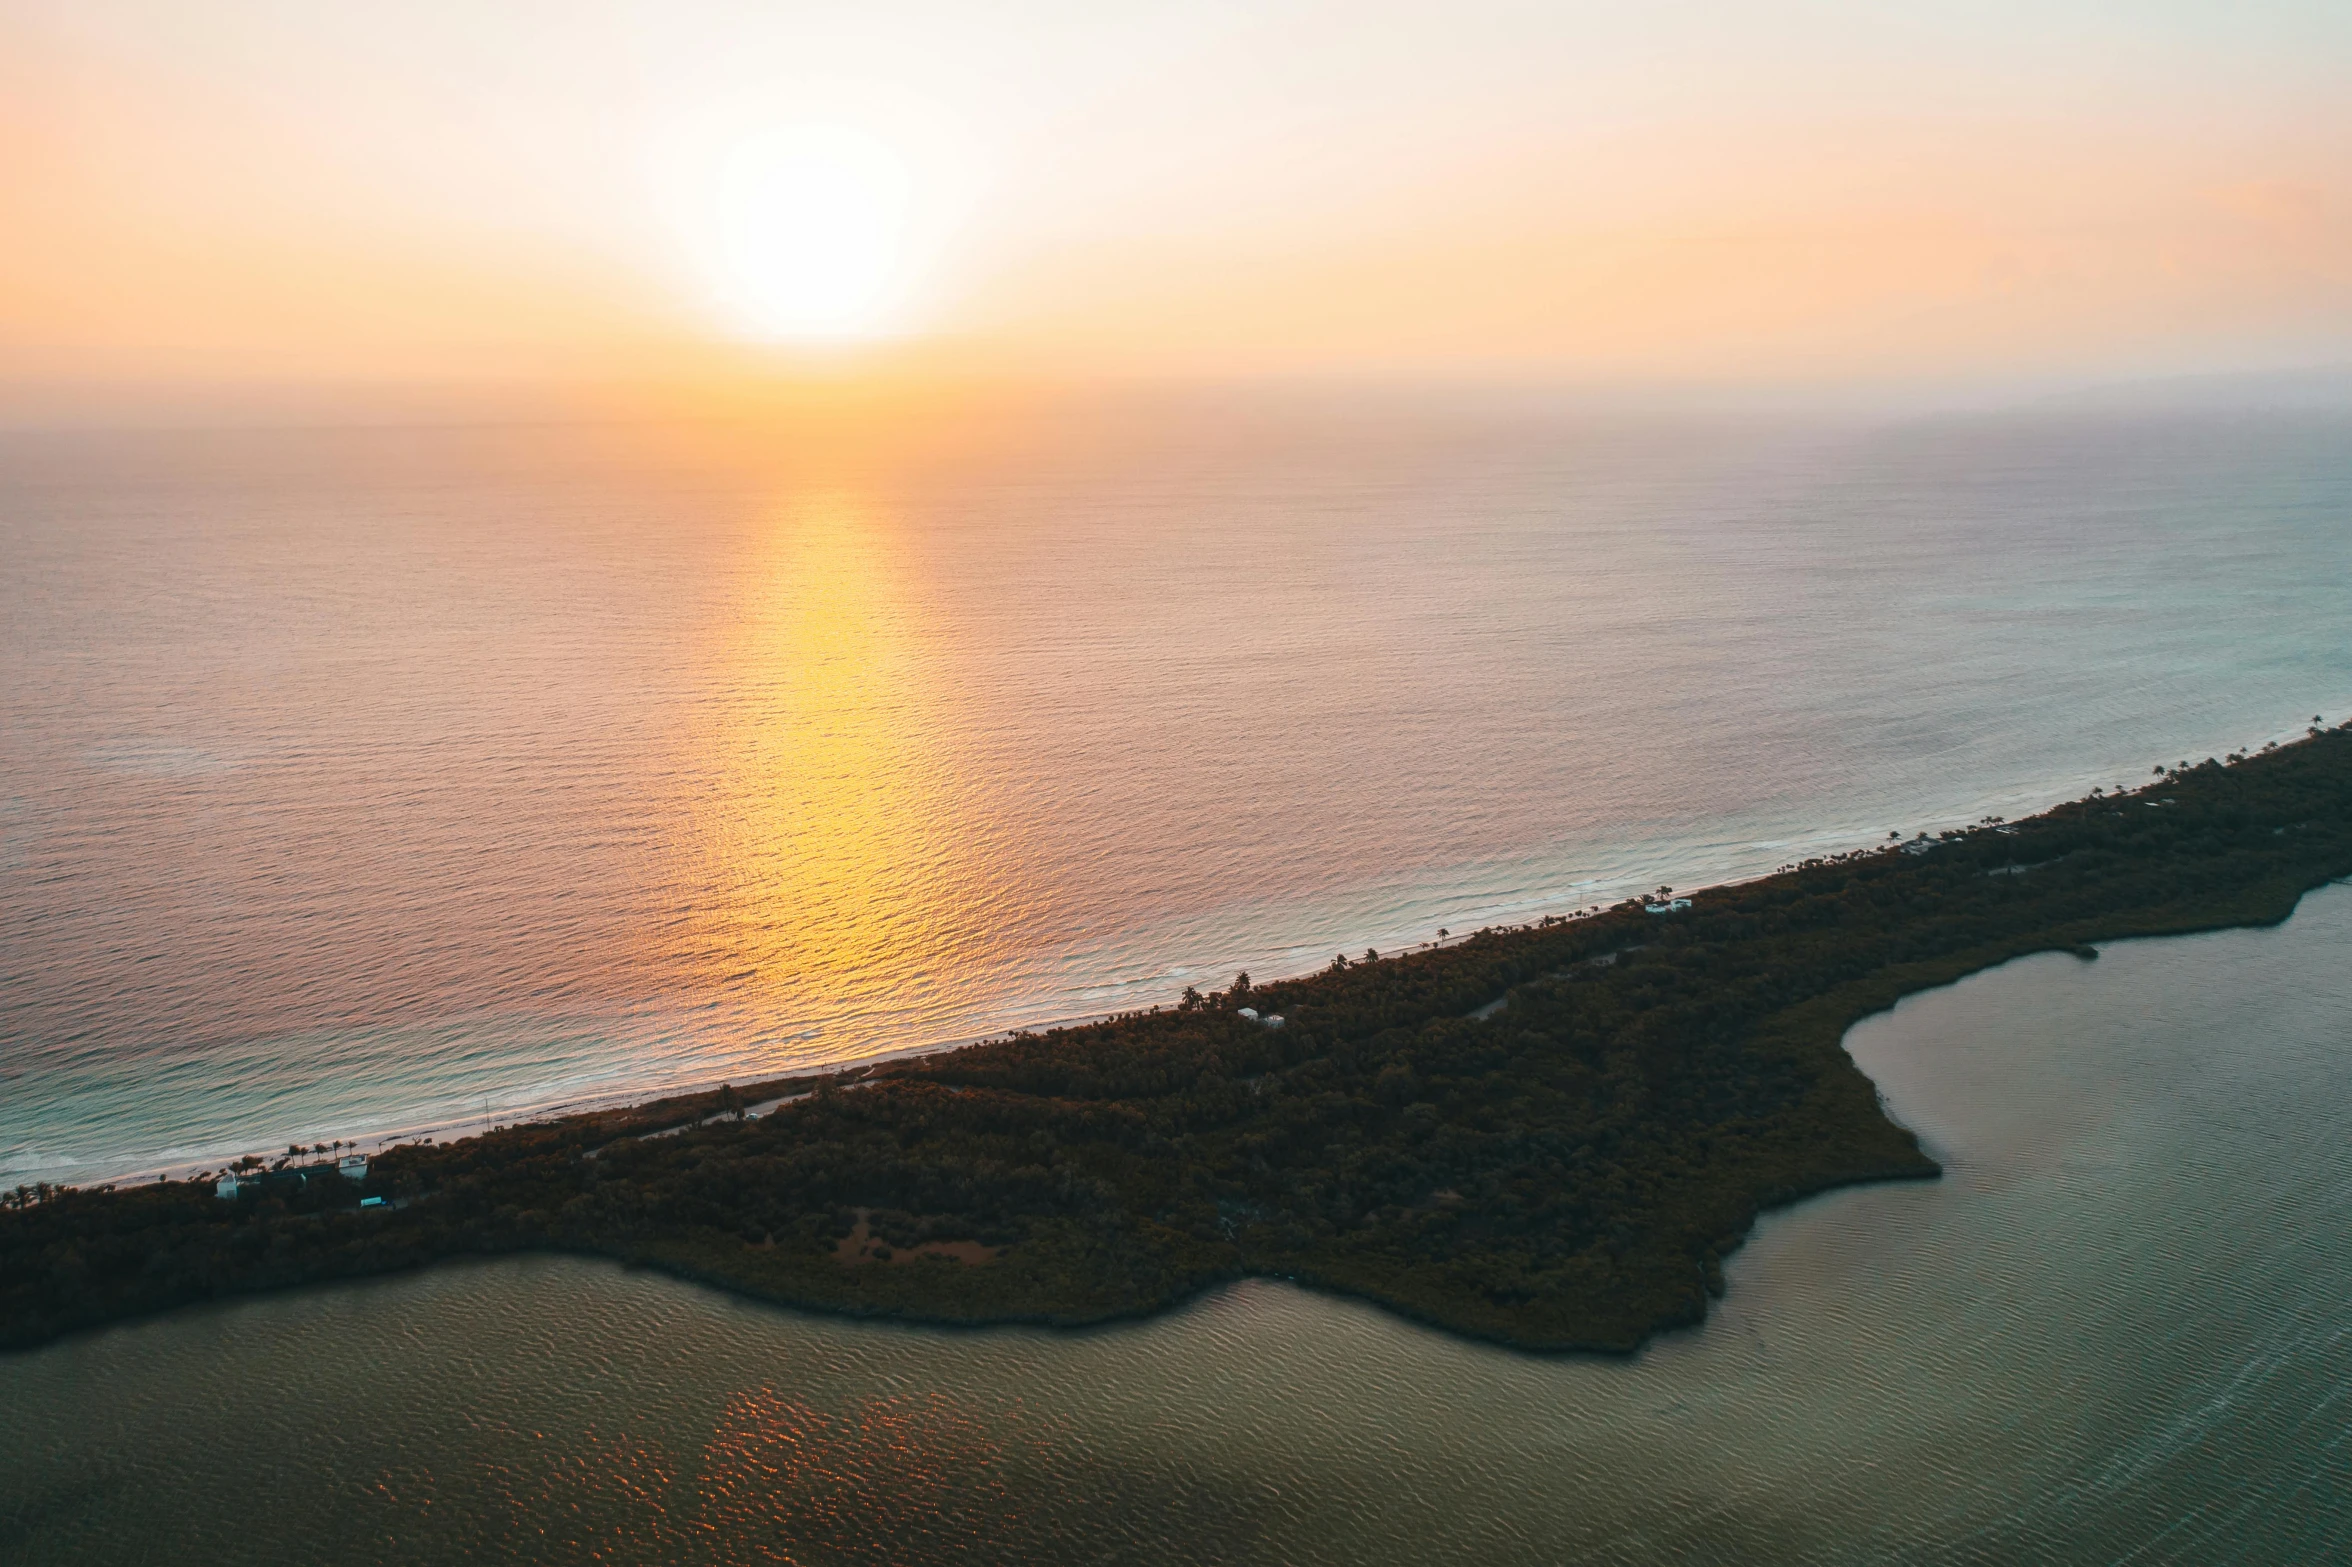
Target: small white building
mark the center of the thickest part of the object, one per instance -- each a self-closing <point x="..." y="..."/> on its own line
<point x="1670" y="906"/>
<point x="352" y="1167"/>
<point x="1251" y="1013"/>
<point x="226" y="1186"/>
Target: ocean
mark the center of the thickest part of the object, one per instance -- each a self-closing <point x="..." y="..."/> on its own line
<point x="364" y="780"/>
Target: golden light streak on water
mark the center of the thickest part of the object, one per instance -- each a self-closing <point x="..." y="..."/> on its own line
<point x="840" y="854"/>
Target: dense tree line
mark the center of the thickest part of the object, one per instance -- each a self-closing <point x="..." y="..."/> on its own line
<point x="1566" y="1170"/>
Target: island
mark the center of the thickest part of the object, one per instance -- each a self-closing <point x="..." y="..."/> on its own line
<point x="1547" y="1135"/>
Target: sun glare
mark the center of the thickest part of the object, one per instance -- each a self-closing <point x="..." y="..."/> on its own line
<point x="812" y="229"/>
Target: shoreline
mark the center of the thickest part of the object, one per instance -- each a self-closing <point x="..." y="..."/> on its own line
<point x="734" y="1288"/>
<point x="1566" y="1175"/>
<point x="1492" y="913"/>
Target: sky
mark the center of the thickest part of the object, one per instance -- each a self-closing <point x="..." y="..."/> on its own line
<point x="1677" y="191"/>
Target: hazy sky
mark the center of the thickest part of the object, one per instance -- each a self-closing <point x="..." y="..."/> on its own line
<point x="1675" y="189"/>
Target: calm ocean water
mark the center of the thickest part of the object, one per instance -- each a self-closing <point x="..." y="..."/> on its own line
<point x="2116" y="1332"/>
<point x="372" y="779"/>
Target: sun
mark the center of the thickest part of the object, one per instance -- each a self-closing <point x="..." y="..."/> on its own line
<point x="812" y="232"/>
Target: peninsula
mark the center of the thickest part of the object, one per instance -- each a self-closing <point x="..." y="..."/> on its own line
<point x="1546" y="1135"/>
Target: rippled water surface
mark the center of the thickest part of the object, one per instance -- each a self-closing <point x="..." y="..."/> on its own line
<point x="2117" y="1331"/>
<point x="366" y="779"/>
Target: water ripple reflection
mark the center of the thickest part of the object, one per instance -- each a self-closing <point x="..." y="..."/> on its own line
<point x="356" y="780"/>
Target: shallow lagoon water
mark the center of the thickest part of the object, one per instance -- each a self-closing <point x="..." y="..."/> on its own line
<point x="2118" y="1330"/>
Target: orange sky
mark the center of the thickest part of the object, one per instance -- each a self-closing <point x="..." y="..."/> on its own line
<point x="1682" y="191"/>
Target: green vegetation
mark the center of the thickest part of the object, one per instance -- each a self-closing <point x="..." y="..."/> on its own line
<point x="1566" y="1171"/>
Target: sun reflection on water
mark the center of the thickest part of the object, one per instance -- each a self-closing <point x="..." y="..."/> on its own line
<point x="845" y="865"/>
